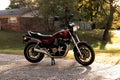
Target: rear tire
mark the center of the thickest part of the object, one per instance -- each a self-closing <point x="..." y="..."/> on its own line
<point x="87" y="52"/>
<point x="31" y="55"/>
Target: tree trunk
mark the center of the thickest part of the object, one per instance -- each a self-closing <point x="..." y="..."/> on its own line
<point x="66" y="16"/>
<point x="106" y="35"/>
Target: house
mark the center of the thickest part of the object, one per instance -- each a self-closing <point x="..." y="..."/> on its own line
<point x="19" y="19"/>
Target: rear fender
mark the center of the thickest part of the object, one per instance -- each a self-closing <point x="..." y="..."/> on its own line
<point x="27" y="39"/>
<point x="29" y="43"/>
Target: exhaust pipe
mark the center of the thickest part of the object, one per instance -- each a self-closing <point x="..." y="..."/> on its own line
<point x="42" y="51"/>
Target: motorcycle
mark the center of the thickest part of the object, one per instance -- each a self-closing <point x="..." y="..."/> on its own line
<point x="57" y="46"/>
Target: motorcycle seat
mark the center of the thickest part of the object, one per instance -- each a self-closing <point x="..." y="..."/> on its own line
<point x="39" y="35"/>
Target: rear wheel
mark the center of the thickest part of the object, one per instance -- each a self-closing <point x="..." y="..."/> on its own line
<point x="87" y="52"/>
<point x="31" y="55"/>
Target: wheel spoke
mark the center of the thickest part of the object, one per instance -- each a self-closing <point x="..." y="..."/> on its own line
<point x="33" y="54"/>
<point x="87" y="52"/>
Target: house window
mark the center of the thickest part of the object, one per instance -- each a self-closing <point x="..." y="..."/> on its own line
<point x="12" y="20"/>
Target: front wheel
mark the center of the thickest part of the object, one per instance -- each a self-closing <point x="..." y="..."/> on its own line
<point x="31" y="55"/>
<point x="88" y="54"/>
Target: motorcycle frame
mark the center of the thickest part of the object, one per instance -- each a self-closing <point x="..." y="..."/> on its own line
<point x="72" y="35"/>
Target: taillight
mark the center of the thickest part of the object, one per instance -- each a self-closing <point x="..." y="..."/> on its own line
<point x="24" y="37"/>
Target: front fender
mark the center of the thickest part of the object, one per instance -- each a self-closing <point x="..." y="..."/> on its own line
<point x="81" y="42"/>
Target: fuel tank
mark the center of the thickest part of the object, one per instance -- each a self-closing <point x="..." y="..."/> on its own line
<point x="61" y="34"/>
<point x="64" y="34"/>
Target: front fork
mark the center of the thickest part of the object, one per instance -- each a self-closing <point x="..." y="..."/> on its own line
<point x="75" y="42"/>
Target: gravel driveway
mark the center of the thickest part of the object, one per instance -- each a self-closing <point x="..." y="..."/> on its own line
<point x="16" y="67"/>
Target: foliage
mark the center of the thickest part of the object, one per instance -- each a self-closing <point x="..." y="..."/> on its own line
<point x="61" y="8"/>
<point x="22" y="4"/>
<point x="14" y="4"/>
<point x="97" y="11"/>
<point x="86" y="10"/>
<point x="100" y="11"/>
<point x="104" y="12"/>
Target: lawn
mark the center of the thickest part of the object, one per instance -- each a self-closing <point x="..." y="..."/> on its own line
<point x="93" y="37"/>
<point x="11" y="42"/>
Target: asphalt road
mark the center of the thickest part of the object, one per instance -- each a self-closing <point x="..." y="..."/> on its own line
<point x="16" y="67"/>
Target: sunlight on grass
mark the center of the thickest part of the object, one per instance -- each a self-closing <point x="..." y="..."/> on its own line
<point x="97" y="47"/>
<point x="102" y="56"/>
<point x="108" y="56"/>
<point x="10" y="51"/>
<point x="70" y="54"/>
<point x="115" y="39"/>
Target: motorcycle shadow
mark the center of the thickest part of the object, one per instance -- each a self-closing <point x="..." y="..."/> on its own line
<point x="63" y="69"/>
<point x="69" y="66"/>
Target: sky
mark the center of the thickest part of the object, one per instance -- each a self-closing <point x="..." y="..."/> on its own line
<point x="118" y="3"/>
<point x="5" y="3"/>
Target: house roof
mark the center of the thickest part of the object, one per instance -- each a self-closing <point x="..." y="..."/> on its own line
<point x="11" y="12"/>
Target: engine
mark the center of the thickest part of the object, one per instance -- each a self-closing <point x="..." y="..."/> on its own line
<point x="59" y="47"/>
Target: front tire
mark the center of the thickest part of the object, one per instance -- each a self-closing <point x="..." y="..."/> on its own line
<point x="31" y="55"/>
<point x="88" y="54"/>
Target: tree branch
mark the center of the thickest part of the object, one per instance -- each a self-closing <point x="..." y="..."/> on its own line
<point x="26" y="3"/>
<point x="106" y="2"/>
<point x="103" y="8"/>
<point x="117" y="11"/>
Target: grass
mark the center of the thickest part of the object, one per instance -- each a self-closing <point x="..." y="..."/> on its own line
<point x="103" y="56"/>
<point x="11" y="43"/>
<point x="93" y="37"/>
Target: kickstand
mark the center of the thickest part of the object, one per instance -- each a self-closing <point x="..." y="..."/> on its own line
<point x="52" y="61"/>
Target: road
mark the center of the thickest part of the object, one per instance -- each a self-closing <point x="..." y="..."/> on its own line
<point x="16" y="67"/>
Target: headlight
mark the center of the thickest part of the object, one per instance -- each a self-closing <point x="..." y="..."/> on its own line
<point x="76" y="27"/>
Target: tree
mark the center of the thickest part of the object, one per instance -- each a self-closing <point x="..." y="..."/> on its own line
<point x="88" y="9"/>
<point x="61" y="8"/>
<point x="101" y="11"/>
<point x="23" y="4"/>
<point x="14" y="4"/>
<point x="110" y="18"/>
